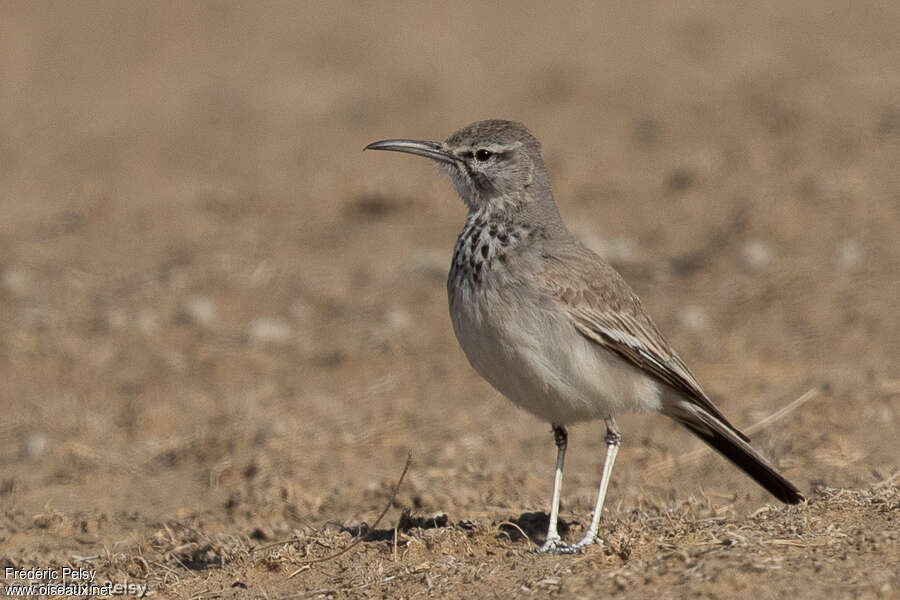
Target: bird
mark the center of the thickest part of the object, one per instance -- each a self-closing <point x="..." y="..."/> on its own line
<point x="550" y="324"/>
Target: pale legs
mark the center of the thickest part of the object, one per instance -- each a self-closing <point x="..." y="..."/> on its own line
<point x="613" y="438"/>
<point x="554" y="543"/>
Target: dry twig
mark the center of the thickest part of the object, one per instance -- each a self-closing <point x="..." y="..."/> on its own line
<point x="361" y="536"/>
<point x="511" y="524"/>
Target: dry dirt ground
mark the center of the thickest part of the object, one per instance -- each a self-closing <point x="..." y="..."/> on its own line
<point x="224" y="326"/>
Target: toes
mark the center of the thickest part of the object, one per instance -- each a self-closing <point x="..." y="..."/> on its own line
<point x="588" y="541"/>
<point x="557" y="547"/>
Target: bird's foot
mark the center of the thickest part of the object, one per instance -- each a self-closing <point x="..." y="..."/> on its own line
<point x="555" y="545"/>
<point x="586" y="541"/>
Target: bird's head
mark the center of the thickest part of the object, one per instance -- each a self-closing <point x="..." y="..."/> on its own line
<point x="495" y="165"/>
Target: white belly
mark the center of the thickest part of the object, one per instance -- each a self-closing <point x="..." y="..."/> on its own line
<point x="536" y="358"/>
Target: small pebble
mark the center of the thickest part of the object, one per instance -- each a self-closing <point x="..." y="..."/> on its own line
<point x="200" y="310"/>
<point x="756" y="255"/>
<point x="397" y="318"/>
<point x="270" y="330"/>
<point x="35" y="444"/>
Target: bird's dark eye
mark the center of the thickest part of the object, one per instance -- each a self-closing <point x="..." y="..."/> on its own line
<point x="482" y="155"/>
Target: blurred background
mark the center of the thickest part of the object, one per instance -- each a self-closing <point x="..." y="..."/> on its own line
<point x="212" y="302"/>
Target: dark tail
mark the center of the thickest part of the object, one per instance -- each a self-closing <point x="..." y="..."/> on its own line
<point x="728" y="441"/>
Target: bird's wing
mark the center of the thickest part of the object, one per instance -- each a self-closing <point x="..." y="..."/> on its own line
<point x="606" y="311"/>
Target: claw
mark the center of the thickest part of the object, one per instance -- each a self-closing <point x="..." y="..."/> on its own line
<point x="557" y="546"/>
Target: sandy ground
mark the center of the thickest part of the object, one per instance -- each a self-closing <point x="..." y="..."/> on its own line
<point x="223" y="326"/>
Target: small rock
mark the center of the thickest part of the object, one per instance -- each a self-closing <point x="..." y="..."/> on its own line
<point x="756" y="255"/>
<point x="35" y="444"/>
<point x="397" y="318"/>
<point x="200" y="310"/>
<point x="270" y="330"/>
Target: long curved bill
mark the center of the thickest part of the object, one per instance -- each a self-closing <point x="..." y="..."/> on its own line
<point x="432" y="150"/>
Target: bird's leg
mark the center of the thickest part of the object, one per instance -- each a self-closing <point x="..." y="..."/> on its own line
<point x="554" y="543"/>
<point x="613" y="438"/>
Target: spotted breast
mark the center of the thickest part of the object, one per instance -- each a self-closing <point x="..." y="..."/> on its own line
<point x="483" y="243"/>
